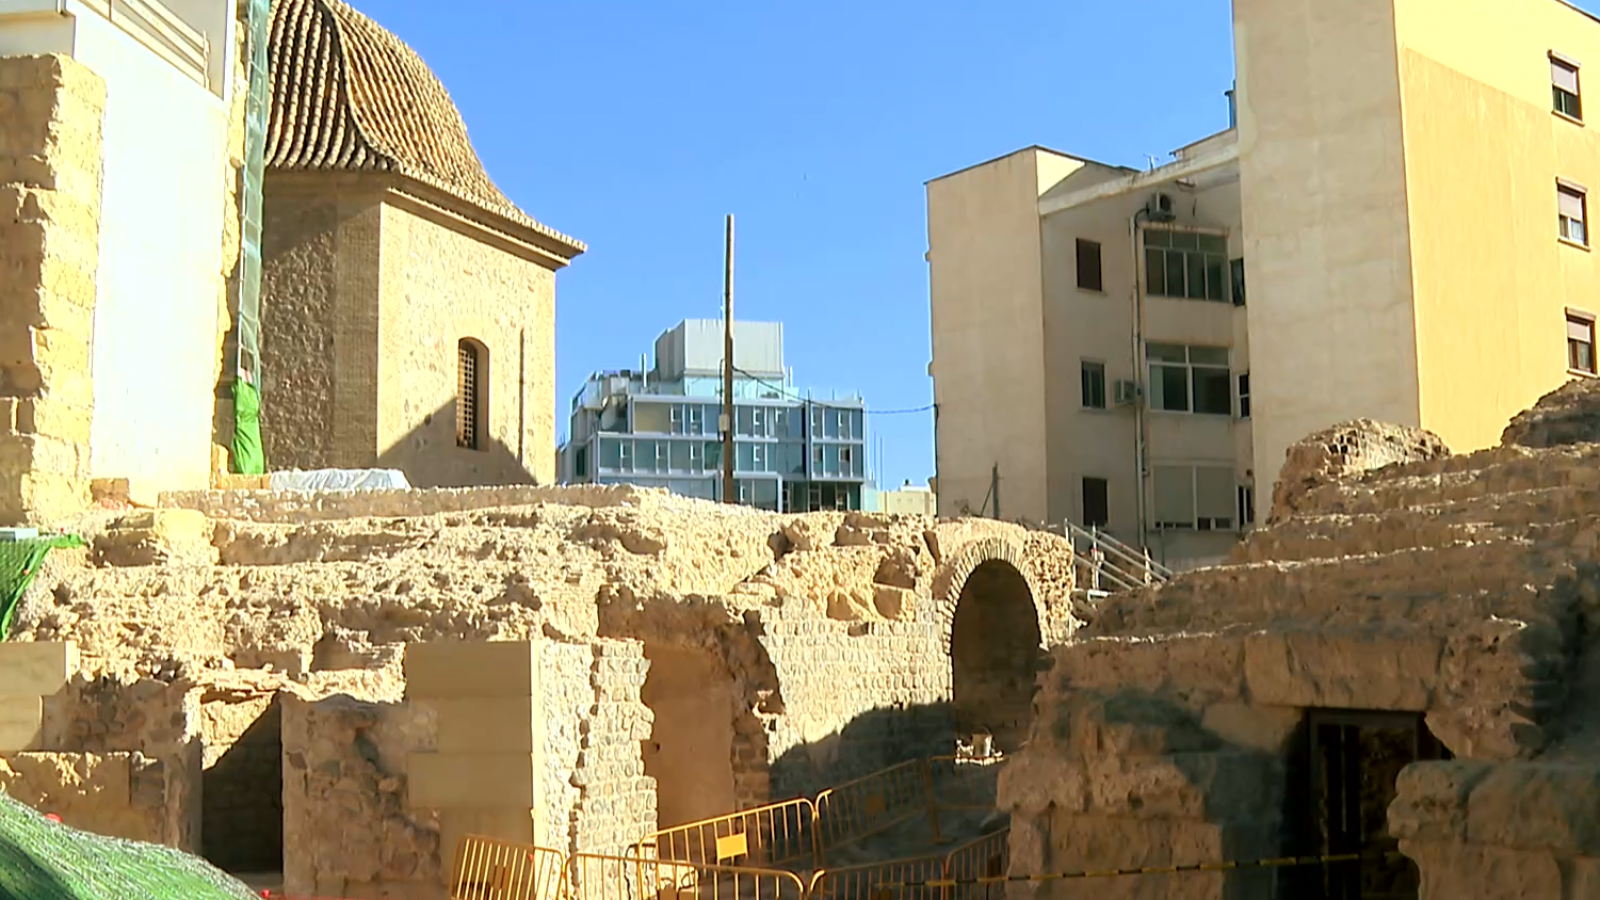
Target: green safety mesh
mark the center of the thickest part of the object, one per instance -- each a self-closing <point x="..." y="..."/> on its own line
<point x="45" y="860"/>
<point x="19" y="562"/>
<point x="248" y="458"/>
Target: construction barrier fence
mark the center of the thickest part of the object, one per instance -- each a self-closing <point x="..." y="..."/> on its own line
<point x="487" y="869"/>
<point x="873" y="804"/>
<point x="974" y="871"/>
<point x="775" y="835"/>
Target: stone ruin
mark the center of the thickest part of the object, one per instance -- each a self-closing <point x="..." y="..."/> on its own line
<point x="1406" y="665"/>
<point x="338" y="687"/>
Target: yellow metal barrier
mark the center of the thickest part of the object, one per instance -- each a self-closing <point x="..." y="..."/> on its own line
<point x="874" y="804"/>
<point x="988" y="857"/>
<point x="595" y="877"/>
<point x="779" y="834"/>
<point x="487" y="869"/>
<point x="881" y="881"/>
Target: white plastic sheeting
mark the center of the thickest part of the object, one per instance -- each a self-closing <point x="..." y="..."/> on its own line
<point x="340" y="480"/>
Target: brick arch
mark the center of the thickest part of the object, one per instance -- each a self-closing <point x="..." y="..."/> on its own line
<point x="952" y="577"/>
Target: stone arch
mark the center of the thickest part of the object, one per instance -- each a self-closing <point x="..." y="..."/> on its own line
<point x="994" y="627"/>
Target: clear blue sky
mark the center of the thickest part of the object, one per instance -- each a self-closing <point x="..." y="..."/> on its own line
<point x="635" y="125"/>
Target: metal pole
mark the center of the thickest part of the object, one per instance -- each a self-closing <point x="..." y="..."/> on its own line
<point x="730" y="490"/>
<point x="994" y="488"/>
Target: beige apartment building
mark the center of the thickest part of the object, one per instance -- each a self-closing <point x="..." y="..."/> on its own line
<point x="1394" y="226"/>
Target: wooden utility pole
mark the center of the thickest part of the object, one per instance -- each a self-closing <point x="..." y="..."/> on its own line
<point x="730" y="488"/>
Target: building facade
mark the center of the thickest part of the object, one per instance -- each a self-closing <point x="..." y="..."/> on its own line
<point x="661" y="427"/>
<point x="906" y="500"/>
<point x="408" y="307"/>
<point x="119" y="235"/>
<point x="1394" y="226"/>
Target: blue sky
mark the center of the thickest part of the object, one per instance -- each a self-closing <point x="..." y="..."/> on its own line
<point x="635" y="126"/>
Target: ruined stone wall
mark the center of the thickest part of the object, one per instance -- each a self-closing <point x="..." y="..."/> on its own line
<point x="120" y="795"/>
<point x="348" y="829"/>
<point x="444" y="283"/>
<point x="232" y="234"/>
<point x="50" y="195"/>
<point x="617" y="801"/>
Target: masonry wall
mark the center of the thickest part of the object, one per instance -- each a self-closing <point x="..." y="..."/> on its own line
<point x="50" y="199"/>
<point x="319" y="359"/>
<point x="442" y="283"/>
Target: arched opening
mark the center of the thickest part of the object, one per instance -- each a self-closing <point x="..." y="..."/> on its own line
<point x="690" y="749"/>
<point x="994" y="648"/>
<point x="472" y="394"/>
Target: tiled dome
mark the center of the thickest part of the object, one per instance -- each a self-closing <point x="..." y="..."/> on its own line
<point x="348" y="95"/>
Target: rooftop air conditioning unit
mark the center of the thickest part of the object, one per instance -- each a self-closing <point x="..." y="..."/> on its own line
<point x="1126" y="393"/>
<point x="1160" y="208"/>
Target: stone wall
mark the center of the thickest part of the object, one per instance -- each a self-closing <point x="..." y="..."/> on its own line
<point x="444" y="282"/>
<point x="360" y="280"/>
<point x="50" y="195"/>
<point x="300" y="302"/>
<point x="120" y="795"/>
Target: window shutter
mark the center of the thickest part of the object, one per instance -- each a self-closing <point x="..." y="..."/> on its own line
<point x="1214" y="492"/>
<point x="1571" y="204"/>
<point x="1579" y="330"/>
<point x="1174" y="494"/>
<point x="1564" y="76"/>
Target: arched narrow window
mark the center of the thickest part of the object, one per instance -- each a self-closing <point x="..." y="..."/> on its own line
<point x="472" y="403"/>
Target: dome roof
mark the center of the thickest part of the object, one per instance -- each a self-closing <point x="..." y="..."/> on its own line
<point x="348" y="95"/>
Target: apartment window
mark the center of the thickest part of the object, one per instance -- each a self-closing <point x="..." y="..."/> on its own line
<point x="1190" y="379"/>
<point x="1236" y="270"/>
<point x="471" y="362"/>
<point x="1244" y="395"/>
<point x="1089" y="274"/>
<point x="1096" y="503"/>
<point x="1094" y="385"/>
<point x="1247" y="504"/>
<point x="1194" y="498"/>
<point x="1185" y="265"/>
<point x="1574" y="213"/>
<point x="1564" y="83"/>
<point x="580" y="463"/>
<point x="1580" y="343"/>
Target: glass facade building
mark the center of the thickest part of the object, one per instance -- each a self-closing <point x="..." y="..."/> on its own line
<point x="792" y="453"/>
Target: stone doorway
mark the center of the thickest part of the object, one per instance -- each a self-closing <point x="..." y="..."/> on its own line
<point x="241" y="792"/>
<point x="1341" y="784"/>
<point x="690" y="749"/>
<point x="994" y="651"/>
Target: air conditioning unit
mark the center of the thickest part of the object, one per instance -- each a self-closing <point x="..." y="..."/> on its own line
<point x="1160" y="208"/>
<point x="1126" y="393"/>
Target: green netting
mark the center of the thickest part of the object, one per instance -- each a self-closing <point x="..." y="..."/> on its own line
<point x="247" y="456"/>
<point x="44" y="860"/>
<point x="19" y="562"/>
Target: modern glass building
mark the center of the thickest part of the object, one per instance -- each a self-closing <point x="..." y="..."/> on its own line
<point x="659" y="428"/>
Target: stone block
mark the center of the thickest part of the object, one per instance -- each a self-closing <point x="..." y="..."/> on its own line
<point x="1456" y="871"/>
<point x="484" y="725"/>
<point x="1246" y="727"/>
<point x="21" y="721"/>
<point x="28" y="453"/>
<point x="445" y="670"/>
<point x="1532" y="806"/>
<point x="35" y="669"/>
<point x="471" y="780"/>
<point x="1342" y="670"/>
<point x="55" y="419"/>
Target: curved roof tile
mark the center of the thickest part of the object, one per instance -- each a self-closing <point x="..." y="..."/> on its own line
<point x="347" y="95"/>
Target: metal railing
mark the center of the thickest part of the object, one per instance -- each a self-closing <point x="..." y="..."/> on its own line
<point x="487" y="869"/>
<point x="592" y="876"/>
<point x="873" y="804"/>
<point x="986" y="857"/>
<point x="865" y="881"/>
<point x="1108" y="564"/>
<point x="777" y="834"/>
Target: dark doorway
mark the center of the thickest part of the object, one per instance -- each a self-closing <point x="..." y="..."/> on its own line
<point x="241" y="793"/>
<point x="1342" y="780"/>
<point x="994" y="650"/>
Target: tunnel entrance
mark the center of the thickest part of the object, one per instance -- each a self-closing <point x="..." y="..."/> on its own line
<point x="690" y="749"/>
<point x="1342" y="780"/>
<point x="994" y="646"/>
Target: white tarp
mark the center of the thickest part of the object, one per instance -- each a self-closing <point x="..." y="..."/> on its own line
<point x="340" y="480"/>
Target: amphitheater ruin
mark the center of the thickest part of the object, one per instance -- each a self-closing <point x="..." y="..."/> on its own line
<point x="1399" y="672"/>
